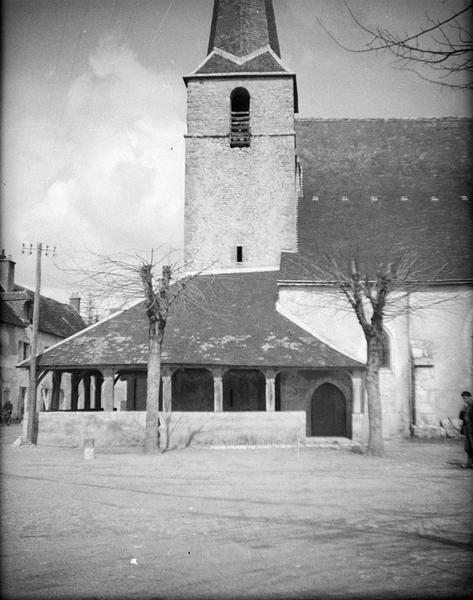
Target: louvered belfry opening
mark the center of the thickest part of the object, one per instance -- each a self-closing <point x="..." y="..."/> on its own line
<point x="240" y="132"/>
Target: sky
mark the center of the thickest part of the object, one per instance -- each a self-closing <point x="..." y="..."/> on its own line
<point x="94" y="110"/>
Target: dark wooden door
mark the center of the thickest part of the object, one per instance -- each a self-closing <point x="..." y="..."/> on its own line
<point x="328" y="412"/>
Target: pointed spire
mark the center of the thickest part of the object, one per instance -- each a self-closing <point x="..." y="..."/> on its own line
<point x="243" y="39"/>
<point x="241" y="27"/>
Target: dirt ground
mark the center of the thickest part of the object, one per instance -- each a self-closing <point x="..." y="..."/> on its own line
<point x="266" y="523"/>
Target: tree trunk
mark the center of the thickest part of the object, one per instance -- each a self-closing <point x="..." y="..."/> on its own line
<point x="375" y="441"/>
<point x="152" y="392"/>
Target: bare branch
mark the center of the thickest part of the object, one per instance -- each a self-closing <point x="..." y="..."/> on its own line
<point x="445" y="45"/>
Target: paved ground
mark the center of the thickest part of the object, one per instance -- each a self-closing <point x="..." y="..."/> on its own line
<point x="236" y="523"/>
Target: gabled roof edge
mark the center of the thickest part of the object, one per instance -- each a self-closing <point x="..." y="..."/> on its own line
<point x="317" y="335"/>
<point x="25" y="363"/>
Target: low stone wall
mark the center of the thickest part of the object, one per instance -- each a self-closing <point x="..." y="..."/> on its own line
<point x="107" y="428"/>
<point x="183" y="428"/>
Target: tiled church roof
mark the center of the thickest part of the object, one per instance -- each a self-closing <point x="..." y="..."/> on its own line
<point x="379" y="188"/>
<point x="228" y="320"/>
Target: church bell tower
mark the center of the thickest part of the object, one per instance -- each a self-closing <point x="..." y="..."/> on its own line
<point x="241" y="200"/>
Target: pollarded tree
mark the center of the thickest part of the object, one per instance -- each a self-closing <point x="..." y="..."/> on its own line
<point x="439" y="51"/>
<point x="374" y="295"/>
<point x="159" y="296"/>
<point x="368" y="297"/>
<point x="161" y="284"/>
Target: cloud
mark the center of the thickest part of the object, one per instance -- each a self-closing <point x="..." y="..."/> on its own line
<point x="108" y="172"/>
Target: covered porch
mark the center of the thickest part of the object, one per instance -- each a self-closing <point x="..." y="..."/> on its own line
<point x="330" y="403"/>
<point x="233" y="357"/>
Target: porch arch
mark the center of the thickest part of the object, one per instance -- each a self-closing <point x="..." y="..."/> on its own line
<point x="244" y="390"/>
<point x="192" y="390"/>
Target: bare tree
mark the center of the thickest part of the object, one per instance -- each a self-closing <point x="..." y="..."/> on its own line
<point x="161" y="284"/>
<point x="374" y="295"/>
<point x="159" y="297"/>
<point x="443" y="47"/>
<point x="89" y="309"/>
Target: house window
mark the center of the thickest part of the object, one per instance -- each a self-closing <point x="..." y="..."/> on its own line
<point x="239" y="254"/>
<point x="385" y="356"/>
<point x="240" y="133"/>
<point x="28" y="311"/>
<point x="23" y="351"/>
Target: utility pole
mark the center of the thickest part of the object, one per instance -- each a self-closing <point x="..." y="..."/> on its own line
<point x="30" y="425"/>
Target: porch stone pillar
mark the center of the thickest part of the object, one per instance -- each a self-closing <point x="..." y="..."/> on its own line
<point x="167" y="390"/>
<point x="270" y="391"/>
<point x="357" y="406"/>
<point x="75" y="380"/>
<point x="357" y="383"/>
<point x="86" y="384"/>
<point x="218" y="389"/>
<point x="98" y="391"/>
<point x="56" y="391"/>
<point x="108" y="388"/>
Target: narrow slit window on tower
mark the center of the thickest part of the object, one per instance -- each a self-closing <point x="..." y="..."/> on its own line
<point x="240" y="133"/>
<point x="239" y="254"/>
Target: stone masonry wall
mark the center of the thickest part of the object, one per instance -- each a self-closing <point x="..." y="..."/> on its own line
<point x="240" y="196"/>
<point x="114" y="429"/>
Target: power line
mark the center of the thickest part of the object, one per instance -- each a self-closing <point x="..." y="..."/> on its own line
<point x="158" y="29"/>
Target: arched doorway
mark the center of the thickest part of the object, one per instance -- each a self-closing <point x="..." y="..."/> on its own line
<point x="328" y="412"/>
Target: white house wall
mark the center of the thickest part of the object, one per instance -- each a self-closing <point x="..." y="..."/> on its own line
<point x="14" y="379"/>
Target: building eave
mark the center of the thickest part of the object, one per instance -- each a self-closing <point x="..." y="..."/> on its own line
<point x="321" y="283"/>
<point x="253" y="74"/>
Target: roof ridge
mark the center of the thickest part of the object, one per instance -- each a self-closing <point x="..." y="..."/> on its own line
<point x="450" y="118"/>
<point x="48" y="298"/>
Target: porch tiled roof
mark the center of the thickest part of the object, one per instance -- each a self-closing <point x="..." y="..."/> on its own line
<point x="227" y="320"/>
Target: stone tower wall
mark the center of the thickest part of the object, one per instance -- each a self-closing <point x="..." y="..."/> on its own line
<point x="240" y="196"/>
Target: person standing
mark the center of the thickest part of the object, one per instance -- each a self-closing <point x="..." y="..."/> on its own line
<point x="7" y="411"/>
<point x="466" y="415"/>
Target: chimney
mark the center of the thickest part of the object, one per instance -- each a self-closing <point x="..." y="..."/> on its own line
<point x="7" y="272"/>
<point x="74" y="301"/>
